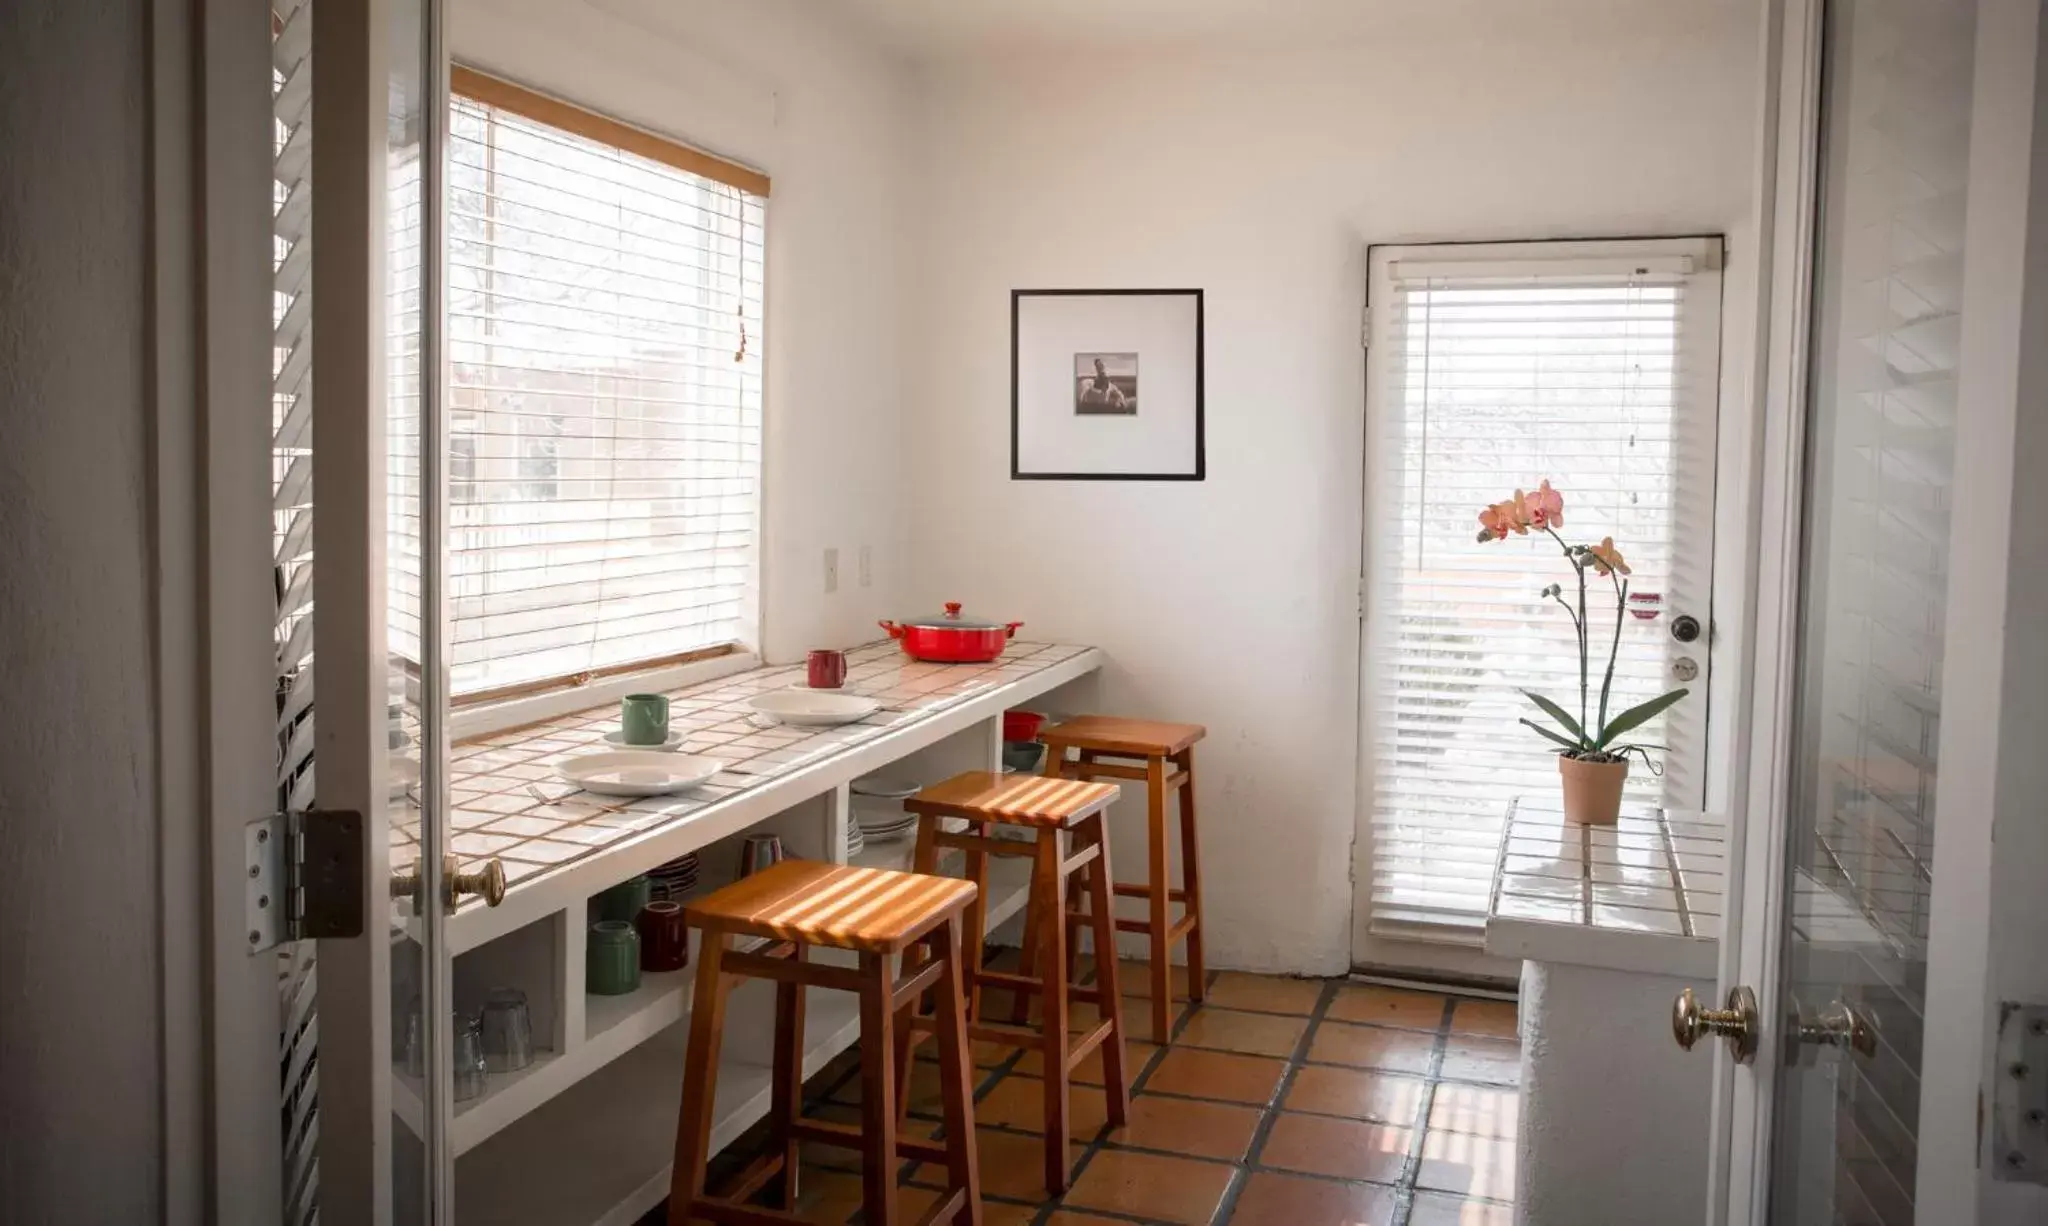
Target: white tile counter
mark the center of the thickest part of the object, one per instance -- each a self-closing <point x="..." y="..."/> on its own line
<point x="583" y="1134"/>
<point x="1610" y="923"/>
<point x="1641" y="895"/>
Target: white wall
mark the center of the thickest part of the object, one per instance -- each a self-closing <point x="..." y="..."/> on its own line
<point x="1261" y="175"/>
<point x="81" y="1009"/>
<point x="786" y="86"/>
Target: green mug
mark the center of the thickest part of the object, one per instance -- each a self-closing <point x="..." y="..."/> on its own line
<point x="643" y="719"/>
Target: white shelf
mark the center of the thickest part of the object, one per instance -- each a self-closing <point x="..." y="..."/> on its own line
<point x="598" y="1151"/>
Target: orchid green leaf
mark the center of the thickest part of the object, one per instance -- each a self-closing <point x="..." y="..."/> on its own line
<point x="1637" y="716"/>
<point x="1559" y="714"/>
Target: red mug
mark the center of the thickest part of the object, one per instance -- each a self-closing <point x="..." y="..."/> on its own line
<point x="827" y="670"/>
<point x="664" y="938"/>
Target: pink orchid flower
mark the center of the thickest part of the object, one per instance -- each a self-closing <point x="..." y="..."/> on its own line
<point x="1606" y="558"/>
<point x="1546" y="507"/>
<point x="1496" y="521"/>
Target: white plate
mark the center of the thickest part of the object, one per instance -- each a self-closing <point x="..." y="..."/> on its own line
<point x="636" y="772"/>
<point x="814" y="706"/>
<point x="669" y="746"/>
<point x="886" y="788"/>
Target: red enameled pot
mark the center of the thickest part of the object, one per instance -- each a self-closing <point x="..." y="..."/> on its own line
<point x="952" y="639"/>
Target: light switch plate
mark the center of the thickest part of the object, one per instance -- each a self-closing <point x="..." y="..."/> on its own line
<point x="2019" y="1130"/>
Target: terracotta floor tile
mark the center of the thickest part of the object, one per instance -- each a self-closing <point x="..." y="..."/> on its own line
<point x="1254" y="1034"/>
<point x="1397" y="1051"/>
<point x="1135" y="979"/>
<point x="1385" y="1098"/>
<point x="1497" y="1019"/>
<point x="1468" y="1165"/>
<point x="826" y="1196"/>
<point x="1388" y="1007"/>
<point x="1478" y="1110"/>
<point x="1019" y="1102"/>
<point x="1195" y="1073"/>
<point x="1265" y="993"/>
<point x="1201" y="1130"/>
<point x="1270" y="1199"/>
<point x="1341" y="1149"/>
<point x="1089" y="1071"/>
<point x="1438" y="1209"/>
<point x="1147" y="1185"/>
<point x="1495" y="1061"/>
<point x="1012" y="1164"/>
<point x="1067" y="1217"/>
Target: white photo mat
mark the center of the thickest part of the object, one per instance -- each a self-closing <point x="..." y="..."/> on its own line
<point x="1138" y="416"/>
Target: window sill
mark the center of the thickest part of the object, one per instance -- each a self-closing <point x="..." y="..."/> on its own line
<point x="484" y="719"/>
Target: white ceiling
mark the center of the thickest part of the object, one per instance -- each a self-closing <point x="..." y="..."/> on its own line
<point x="942" y="29"/>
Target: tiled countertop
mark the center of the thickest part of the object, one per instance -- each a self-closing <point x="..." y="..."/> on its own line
<point x="508" y="802"/>
<point x="1641" y="895"/>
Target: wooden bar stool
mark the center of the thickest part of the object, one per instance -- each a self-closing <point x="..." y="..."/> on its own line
<point x="1162" y="757"/>
<point x="797" y="904"/>
<point x="1058" y="812"/>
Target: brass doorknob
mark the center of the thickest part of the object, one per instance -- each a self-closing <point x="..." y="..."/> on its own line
<point x="455" y="884"/>
<point x="1736" y="1023"/>
<point x="1841" y="1025"/>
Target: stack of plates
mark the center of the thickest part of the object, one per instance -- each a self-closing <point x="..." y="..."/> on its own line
<point x="676" y="878"/>
<point x="879" y="818"/>
<point x="856" y="839"/>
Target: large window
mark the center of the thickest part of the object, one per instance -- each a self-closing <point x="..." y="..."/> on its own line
<point x="1494" y="367"/>
<point x="605" y="357"/>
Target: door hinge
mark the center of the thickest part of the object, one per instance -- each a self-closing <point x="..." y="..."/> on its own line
<point x="2019" y="1096"/>
<point x="1365" y="327"/>
<point x="306" y="874"/>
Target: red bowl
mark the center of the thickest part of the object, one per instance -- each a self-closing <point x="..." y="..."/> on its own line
<point x="1022" y="725"/>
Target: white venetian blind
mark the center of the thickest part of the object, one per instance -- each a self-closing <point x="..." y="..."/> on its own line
<point x="605" y="344"/>
<point x="1493" y="370"/>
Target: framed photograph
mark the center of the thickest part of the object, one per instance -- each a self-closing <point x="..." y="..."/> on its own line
<point x="1106" y="385"/>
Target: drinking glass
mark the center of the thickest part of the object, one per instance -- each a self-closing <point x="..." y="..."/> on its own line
<point x="469" y="1058"/>
<point x="507" y="1031"/>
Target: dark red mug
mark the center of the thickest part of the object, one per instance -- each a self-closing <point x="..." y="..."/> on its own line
<point x="664" y="937"/>
<point x="827" y="670"/>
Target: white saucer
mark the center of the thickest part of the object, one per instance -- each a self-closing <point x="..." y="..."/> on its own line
<point x="637" y="772"/>
<point x="814" y="707"/>
<point x="883" y="787"/>
<point x="618" y="738"/>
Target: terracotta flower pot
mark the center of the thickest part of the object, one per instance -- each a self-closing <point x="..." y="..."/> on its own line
<point x="1592" y="790"/>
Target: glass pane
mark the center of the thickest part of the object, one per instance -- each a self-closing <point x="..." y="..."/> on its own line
<point x="423" y="1024"/>
<point x="1880" y="462"/>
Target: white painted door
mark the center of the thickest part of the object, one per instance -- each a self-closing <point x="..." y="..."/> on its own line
<point x="359" y="407"/>
<point x="1850" y="1090"/>
<point x="1492" y="367"/>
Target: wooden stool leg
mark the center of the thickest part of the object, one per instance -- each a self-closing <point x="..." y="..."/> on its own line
<point x="1049" y="897"/>
<point x="924" y="860"/>
<point x="700" y="1081"/>
<point x="1102" y="922"/>
<point x="1159" y="921"/>
<point x="788" y="1077"/>
<point x="975" y="921"/>
<point x="1191" y="875"/>
<point x="877" y="1092"/>
<point x="956" y="1074"/>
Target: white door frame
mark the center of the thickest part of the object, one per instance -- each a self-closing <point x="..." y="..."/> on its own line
<point x="214" y="685"/>
<point x="1786" y="184"/>
<point x="1980" y="791"/>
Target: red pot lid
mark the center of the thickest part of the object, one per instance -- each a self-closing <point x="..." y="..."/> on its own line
<point x="952" y="619"/>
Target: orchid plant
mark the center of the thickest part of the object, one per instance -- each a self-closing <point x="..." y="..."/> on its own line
<point x="1593" y="736"/>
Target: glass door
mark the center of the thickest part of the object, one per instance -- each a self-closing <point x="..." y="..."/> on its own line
<point x="1881" y="423"/>
<point x="1873" y="171"/>
<point x="393" y="1054"/>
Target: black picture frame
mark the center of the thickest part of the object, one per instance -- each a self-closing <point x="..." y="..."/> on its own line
<point x="1201" y="466"/>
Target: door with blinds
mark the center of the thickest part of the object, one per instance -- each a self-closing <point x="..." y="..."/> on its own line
<point x="1491" y="368"/>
